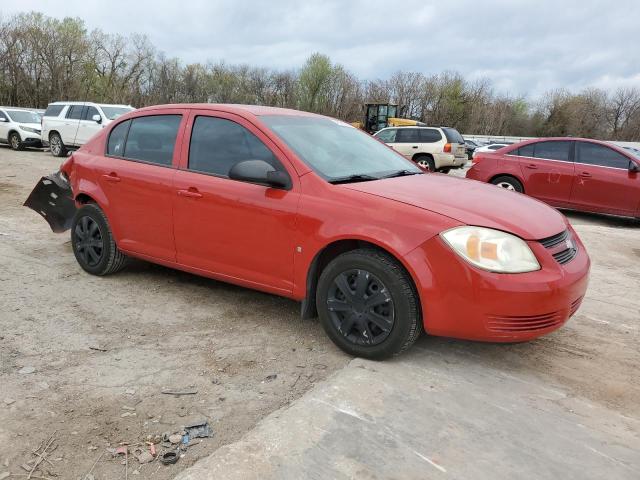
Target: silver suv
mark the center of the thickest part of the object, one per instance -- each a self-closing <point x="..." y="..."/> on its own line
<point x="68" y="125"/>
<point x="19" y="127"/>
<point x="438" y="149"/>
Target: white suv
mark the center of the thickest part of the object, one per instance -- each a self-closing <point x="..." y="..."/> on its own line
<point x="438" y="149"/>
<point x="20" y="128"/>
<point x="68" y="125"/>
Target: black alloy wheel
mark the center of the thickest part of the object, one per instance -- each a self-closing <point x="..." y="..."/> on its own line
<point x="361" y="307"/>
<point x="89" y="243"/>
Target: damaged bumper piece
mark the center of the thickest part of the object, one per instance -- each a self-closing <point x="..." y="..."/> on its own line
<point x="52" y="198"/>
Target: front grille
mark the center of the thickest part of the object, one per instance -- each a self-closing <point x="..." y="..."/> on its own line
<point x="566" y="255"/>
<point x="574" y="306"/>
<point x="525" y="323"/>
<point x="562" y="247"/>
<point x="554" y="240"/>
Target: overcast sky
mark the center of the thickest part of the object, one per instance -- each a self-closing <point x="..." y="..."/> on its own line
<point x="524" y="47"/>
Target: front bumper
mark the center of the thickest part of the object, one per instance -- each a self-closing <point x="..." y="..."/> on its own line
<point x="32" y="142"/>
<point x="462" y="301"/>
<point x="52" y="198"/>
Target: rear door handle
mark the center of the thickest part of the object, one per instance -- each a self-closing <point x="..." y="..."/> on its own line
<point x="112" y="177"/>
<point x="191" y="193"/>
<point x="415" y="146"/>
<point x="532" y="166"/>
<point x="585" y="174"/>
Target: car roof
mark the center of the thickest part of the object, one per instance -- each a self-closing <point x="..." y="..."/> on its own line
<point x="90" y="103"/>
<point x="19" y="108"/>
<point x="257" y="110"/>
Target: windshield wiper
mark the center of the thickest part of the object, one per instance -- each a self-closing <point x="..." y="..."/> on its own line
<point x="402" y="173"/>
<point x="358" y="177"/>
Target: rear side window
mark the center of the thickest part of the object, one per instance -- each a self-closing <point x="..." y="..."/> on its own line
<point x="3" y="115"/>
<point x="117" y="137"/>
<point x="594" y="154"/>
<point x="429" y="135"/>
<point x="89" y="112"/>
<point x="554" y="150"/>
<point x="218" y="144"/>
<point x="387" y="136"/>
<point x="53" y="110"/>
<point x="453" y="136"/>
<point x="152" y="139"/>
<point x="75" y="112"/>
<point x="407" y="135"/>
<point x="524" y="151"/>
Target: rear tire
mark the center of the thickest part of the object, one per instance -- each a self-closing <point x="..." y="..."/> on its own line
<point x="368" y="305"/>
<point x="508" y="183"/>
<point x="15" y="141"/>
<point x="425" y="161"/>
<point x="93" y="244"/>
<point x="56" y="145"/>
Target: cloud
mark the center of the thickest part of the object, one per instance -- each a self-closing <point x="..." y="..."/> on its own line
<point x="523" y="47"/>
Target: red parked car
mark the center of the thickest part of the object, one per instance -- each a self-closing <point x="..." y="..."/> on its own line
<point x="310" y="208"/>
<point x="573" y="173"/>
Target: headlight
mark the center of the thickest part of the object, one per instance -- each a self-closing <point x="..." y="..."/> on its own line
<point x="491" y="250"/>
<point x="29" y="129"/>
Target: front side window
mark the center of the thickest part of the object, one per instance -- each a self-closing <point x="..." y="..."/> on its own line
<point x="152" y="139"/>
<point x="407" y="135"/>
<point x="387" y="136"/>
<point x="75" y="112"/>
<point x="118" y="136"/>
<point x="553" y="150"/>
<point x="336" y="150"/>
<point x="595" y="154"/>
<point x="89" y="112"/>
<point x="218" y="144"/>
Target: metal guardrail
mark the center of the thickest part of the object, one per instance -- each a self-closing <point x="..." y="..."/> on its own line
<point x="505" y="139"/>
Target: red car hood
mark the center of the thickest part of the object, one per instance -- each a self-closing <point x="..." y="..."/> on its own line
<point x="470" y="202"/>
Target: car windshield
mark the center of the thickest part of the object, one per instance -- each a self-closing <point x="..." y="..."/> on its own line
<point x="633" y="151"/>
<point x="114" y="112"/>
<point x="336" y="150"/>
<point x="23" y="116"/>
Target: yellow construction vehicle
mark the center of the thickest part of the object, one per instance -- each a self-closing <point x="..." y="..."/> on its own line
<point x="381" y="115"/>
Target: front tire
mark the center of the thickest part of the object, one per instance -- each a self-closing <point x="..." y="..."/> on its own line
<point x="508" y="183"/>
<point x="15" y="141"/>
<point x="56" y="145"/>
<point x="93" y="243"/>
<point x="367" y="304"/>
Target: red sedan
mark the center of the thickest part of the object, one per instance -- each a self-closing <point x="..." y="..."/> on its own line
<point x="313" y="209"/>
<point x="574" y="173"/>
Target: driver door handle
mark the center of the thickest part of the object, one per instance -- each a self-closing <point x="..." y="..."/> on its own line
<point x="190" y="193"/>
<point x="585" y="174"/>
<point x="112" y="177"/>
<point x="532" y="166"/>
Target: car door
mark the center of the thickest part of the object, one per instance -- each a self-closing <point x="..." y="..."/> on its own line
<point x="407" y="142"/>
<point x="236" y="230"/>
<point x="548" y="169"/>
<point x="68" y="128"/>
<point x="87" y="126"/>
<point x="603" y="182"/>
<point x="136" y="175"/>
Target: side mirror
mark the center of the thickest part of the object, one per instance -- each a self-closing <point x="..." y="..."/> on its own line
<point x="260" y="172"/>
<point x="97" y="118"/>
<point x="633" y="167"/>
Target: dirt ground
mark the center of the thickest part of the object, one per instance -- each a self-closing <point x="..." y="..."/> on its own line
<point x="162" y="329"/>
